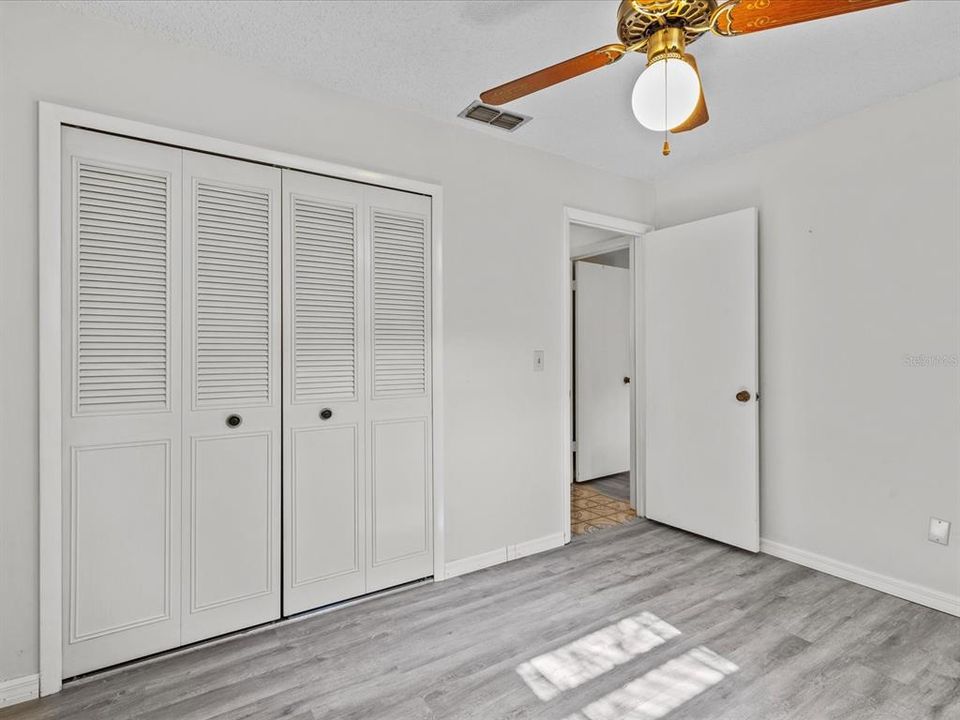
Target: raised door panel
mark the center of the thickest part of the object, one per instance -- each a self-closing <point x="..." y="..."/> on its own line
<point x="400" y="495"/>
<point x="121" y="404"/>
<point x="231" y="420"/>
<point x="120" y="565"/>
<point x="122" y="590"/>
<point x="398" y="405"/>
<point x="228" y="488"/>
<point x="326" y="497"/>
<point x="324" y="491"/>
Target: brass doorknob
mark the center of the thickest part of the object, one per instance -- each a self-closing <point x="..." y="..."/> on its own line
<point x="743" y="396"/>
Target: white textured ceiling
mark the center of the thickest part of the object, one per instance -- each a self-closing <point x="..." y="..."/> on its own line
<point x="435" y="57"/>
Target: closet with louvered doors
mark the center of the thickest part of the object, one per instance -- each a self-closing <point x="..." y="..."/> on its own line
<point x="191" y="285"/>
<point x="357" y="403"/>
<point x="170" y="329"/>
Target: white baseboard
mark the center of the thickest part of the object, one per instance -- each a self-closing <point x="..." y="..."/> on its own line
<point x="537" y="545"/>
<point x="19" y="690"/>
<point x="503" y="554"/>
<point x="919" y="594"/>
<point x="475" y="562"/>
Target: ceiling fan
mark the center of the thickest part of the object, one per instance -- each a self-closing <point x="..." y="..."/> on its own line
<point x="668" y="95"/>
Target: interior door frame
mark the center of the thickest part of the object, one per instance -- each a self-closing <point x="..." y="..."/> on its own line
<point x="51" y="118"/>
<point x="634" y="231"/>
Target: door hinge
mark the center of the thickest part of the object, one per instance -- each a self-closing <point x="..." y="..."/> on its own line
<point x="573" y="285"/>
<point x="573" y="445"/>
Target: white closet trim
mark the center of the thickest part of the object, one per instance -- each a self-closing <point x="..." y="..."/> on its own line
<point x="51" y="118"/>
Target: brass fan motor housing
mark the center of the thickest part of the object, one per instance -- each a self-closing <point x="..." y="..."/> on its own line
<point x="668" y="42"/>
<point x="639" y="20"/>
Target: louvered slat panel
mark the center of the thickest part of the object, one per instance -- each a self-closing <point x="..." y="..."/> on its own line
<point x="122" y="289"/>
<point x="399" y="305"/>
<point x="324" y="301"/>
<point x="232" y="281"/>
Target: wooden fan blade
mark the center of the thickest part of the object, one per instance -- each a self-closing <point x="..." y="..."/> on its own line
<point x="749" y="16"/>
<point x="699" y="116"/>
<point x="554" y="74"/>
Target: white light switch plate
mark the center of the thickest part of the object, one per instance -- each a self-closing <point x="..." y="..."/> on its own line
<point x="538" y="360"/>
<point x="939" y="531"/>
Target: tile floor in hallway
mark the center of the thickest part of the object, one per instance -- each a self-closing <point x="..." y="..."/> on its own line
<point x="600" y="503"/>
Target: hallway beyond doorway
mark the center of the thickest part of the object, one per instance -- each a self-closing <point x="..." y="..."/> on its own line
<point x="601" y="503"/>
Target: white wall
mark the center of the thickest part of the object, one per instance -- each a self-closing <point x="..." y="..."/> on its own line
<point x="502" y="259"/>
<point x="859" y="273"/>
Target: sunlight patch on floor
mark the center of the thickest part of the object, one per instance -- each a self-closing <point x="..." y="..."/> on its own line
<point x="588" y="657"/>
<point x="662" y="690"/>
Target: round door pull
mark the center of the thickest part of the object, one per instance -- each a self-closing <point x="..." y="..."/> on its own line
<point x="326" y="414"/>
<point x="234" y="421"/>
<point x="626" y="380"/>
<point x="743" y="396"/>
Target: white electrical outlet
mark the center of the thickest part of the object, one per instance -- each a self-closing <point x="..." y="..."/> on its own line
<point x="538" y="360"/>
<point x="939" y="531"/>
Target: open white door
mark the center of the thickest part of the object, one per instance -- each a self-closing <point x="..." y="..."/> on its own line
<point x="702" y="440"/>
<point x="602" y="352"/>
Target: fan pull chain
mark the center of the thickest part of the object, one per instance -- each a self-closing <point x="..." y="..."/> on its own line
<point x="666" y="138"/>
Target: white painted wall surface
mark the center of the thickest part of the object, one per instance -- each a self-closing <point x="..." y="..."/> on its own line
<point x="859" y="278"/>
<point x="502" y="419"/>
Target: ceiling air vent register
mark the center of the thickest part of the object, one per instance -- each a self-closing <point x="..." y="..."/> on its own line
<point x="489" y="115"/>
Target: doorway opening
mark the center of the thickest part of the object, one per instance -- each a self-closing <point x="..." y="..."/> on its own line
<point x="602" y="478"/>
<point x="602" y="373"/>
<point x="695" y="378"/>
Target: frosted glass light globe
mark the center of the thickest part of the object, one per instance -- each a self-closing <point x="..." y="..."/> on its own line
<point x="682" y="94"/>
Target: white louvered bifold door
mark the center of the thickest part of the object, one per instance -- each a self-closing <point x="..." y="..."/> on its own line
<point x="358" y="501"/>
<point x="231" y="395"/>
<point x="121" y="246"/>
<point x="398" y="394"/>
<point x="324" y="538"/>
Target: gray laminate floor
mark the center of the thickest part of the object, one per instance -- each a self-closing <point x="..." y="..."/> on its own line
<point x="638" y="622"/>
<point x="615" y="486"/>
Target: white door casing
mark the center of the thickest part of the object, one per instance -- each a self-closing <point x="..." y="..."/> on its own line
<point x="324" y="460"/>
<point x="701" y="350"/>
<point x="121" y="402"/>
<point x="231" y="395"/>
<point x="603" y="358"/>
